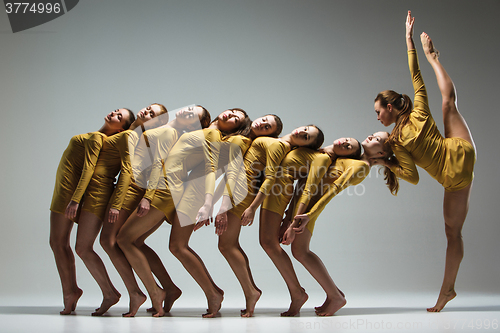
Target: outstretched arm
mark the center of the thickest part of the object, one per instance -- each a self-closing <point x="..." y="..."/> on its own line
<point x="409" y="31"/>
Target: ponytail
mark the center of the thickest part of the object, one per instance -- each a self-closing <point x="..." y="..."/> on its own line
<point x="391" y="180"/>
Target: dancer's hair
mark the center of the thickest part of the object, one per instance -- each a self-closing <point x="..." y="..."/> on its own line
<point x="403" y="105"/>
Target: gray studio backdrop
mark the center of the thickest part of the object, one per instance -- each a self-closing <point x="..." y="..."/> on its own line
<point x="320" y="62"/>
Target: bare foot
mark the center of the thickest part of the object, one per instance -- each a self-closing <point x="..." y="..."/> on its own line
<point x="106" y="304"/>
<point x="324" y="305"/>
<point x="442" y="300"/>
<point x="430" y="52"/>
<point x="136" y="301"/>
<point x="331" y="306"/>
<point x="172" y="296"/>
<point x="296" y="305"/>
<point x="250" y="304"/>
<point x="70" y="302"/>
<point x="157" y="301"/>
<point x="214" y="305"/>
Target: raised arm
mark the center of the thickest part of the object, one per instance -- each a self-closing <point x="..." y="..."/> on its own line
<point x="409" y="32"/>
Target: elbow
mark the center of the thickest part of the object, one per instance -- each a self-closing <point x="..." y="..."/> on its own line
<point x="414" y="180"/>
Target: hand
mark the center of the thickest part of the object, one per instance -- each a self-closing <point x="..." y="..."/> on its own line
<point x="247" y="216"/>
<point x="302" y="220"/>
<point x="200" y="224"/>
<point x="71" y="210"/>
<point x="289" y="236"/>
<point x="143" y="207"/>
<point x="409" y="25"/>
<point x="221" y="223"/>
<point x="113" y="215"/>
<point x="204" y="215"/>
<point x="284" y="226"/>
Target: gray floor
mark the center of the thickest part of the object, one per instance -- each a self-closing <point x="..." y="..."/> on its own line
<point x="396" y="313"/>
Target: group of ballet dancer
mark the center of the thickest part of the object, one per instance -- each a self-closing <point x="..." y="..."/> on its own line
<point x="168" y="171"/>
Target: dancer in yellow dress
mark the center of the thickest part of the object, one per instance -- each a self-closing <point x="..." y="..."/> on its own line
<point x="73" y="176"/>
<point x="154" y="143"/>
<point x="192" y="149"/>
<point x="103" y="202"/>
<point x="228" y="226"/>
<point x="347" y="168"/>
<point x="264" y="155"/>
<point x="416" y="140"/>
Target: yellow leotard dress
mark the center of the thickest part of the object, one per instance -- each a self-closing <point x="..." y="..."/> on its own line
<point x="114" y="159"/>
<point x="344" y="172"/>
<point x="448" y="160"/>
<point x="75" y="169"/>
<point x="230" y="164"/>
<point x="147" y="160"/>
<point x="265" y="154"/>
<point x="192" y="149"/>
<point x="298" y="163"/>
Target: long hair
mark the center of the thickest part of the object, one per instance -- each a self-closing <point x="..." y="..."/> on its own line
<point x="391" y="180"/>
<point x="403" y="105"/>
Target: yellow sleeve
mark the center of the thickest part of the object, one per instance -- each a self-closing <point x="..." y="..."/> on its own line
<point x="353" y="173"/>
<point x="93" y="147"/>
<point x="317" y="170"/>
<point x="125" y="173"/>
<point x="211" y="148"/>
<point x="237" y="147"/>
<point x="274" y="155"/>
<point x="420" y="101"/>
<point x="406" y="168"/>
<point x="164" y="144"/>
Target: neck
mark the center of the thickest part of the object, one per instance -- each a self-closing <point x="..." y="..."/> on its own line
<point x="107" y="131"/>
<point x="287" y="139"/>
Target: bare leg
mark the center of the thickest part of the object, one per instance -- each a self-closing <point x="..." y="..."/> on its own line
<point x="455" y="204"/>
<point x="60" y="232"/>
<point x="334" y="299"/>
<point x="158" y="269"/>
<point x="108" y="243"/>
<point x="455" y="208"/>
<point x="268" y="236"/>
<point x="89" y="226"/>
<point x="454" y="124"/>
<point x="134" y="228"/>
<point x="230" y="248"/>
<point x="179" y="239"/>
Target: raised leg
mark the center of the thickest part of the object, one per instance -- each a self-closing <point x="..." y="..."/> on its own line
<point x="230" y="248"/>
<point x="60" y="232"/>
<point x="134" y="228"/>
<point x="179" y="239"/>
<point x="335" y="300"/>
<point x="269" y="227"/>
<point x="455" y="208"/>
<point x="454" y="124"/>
<point x="108" y="242"/>
<point x="89" y="226"/>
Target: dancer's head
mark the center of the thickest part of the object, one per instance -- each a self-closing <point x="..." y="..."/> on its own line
<point x="155" y="110"/>
<point x="192" y="117"/>
<point x="377" y="147"/>
<point x="309" y="136"/>
<point x="268" y="125"/>
<point x="119" y="120"/>
<point x="391" y="108"/>
<point x="347" y="147"/>
<point x="232" y="122"/>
